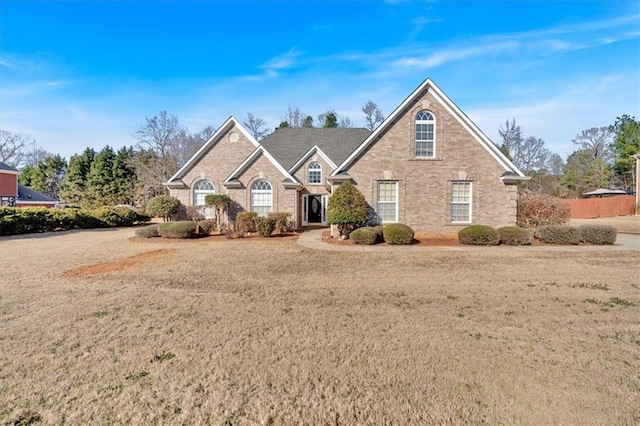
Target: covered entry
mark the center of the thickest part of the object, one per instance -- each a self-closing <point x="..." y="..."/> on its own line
<point x="314" y="210"/>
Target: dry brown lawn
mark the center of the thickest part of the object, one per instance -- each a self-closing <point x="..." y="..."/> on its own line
<point x="98" y="328"/>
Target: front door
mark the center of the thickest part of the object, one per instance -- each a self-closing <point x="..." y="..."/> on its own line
<point x="314" y="208"/>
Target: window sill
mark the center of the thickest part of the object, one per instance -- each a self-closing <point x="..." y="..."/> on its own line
<point x="424" y="159"/>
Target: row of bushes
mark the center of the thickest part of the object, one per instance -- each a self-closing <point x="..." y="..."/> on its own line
<point x="26" y="220"/>
<point x="394" y="233"/>
<point x="551" y="234"/>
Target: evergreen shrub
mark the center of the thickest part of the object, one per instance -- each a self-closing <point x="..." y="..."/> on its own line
<point x="162" y="206"/>
<point x="265" y="226"/>
<point x="514" y="236"/>
<point x="598" y="234"/>
<point x="365" y="236"/>
<point x="397" y="233"/>
<point x="479" y="235"/>
<point x="149" y="231"/>
<point x="347" y="208"/>
<point x="558" y="234"/>
<point x="181" y="229"/>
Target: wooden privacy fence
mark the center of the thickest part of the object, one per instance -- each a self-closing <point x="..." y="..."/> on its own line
<point x="587" y="208"/>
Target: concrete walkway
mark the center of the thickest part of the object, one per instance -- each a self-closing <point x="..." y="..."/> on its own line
<point x="313" y="239"/>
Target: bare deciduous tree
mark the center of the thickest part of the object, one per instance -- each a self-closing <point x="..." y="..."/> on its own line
<point x="512" y="139"/>
<point x="595" y="140"/>
<point x="372" y="115"/>
<point x="256" y="126"/>
<point x="14" y="148"/>
<point x="294" y="117"/>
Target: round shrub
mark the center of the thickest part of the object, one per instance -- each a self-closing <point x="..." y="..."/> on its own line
<point x="207" y="226"/>
<point x="347" y="208"/>
<point x="397" y="233"/>
<point x="265" y="226"/>
<point x="182" y="229"/>
<point x="558" y="234"/>
<point x="162" y="206"/>
<point x="150" y="231"/>
<point x="246" y="221"/>
<point x="514" y="236"/>
<point x="479" y="235"/>
<point x="365" y="236"/>
<point x="598" y="234"/>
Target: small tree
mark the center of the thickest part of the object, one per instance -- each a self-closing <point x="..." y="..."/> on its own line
<point x="347" y="209"/>
<point x="221" y="203"/>
<point x="163" y="206"/>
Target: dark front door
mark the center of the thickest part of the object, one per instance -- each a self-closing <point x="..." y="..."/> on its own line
<point x="314" y="209"/>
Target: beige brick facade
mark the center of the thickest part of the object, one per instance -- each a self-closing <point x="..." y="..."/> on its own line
<point x="424" y="185"/>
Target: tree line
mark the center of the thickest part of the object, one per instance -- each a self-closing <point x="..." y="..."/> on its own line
<point x="132" y="175"/>
<point x="603" y="158"/>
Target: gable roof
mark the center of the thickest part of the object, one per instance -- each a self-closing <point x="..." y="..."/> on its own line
<point x="288" y="145"/>
<point x="226" y="126"/>
<point x="26" y="194"/>
<point x="233" y="177"/>
<point x="512" y="172"/>
<point x="7" y="168"/>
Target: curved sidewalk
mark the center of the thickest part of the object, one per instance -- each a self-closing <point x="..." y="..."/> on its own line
<point x="313" y="239"/>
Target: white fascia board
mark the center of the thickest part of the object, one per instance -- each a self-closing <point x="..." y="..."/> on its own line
<point x="387" y="121"/>
<point x="306" y="156"/>
<point x="471" y="127"/>
<point x="259" y="150"/>
<point x="10" y="172"/>
<point x="453" y="110"/>
<point x="231" y="122"/>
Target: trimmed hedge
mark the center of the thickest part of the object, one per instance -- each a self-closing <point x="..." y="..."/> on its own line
<point x="479" y="235"/>
<point x="25" y="220"/>
<point x="397" y="233"/>
<point x="246" y="221"/>
<point x="265" y="226"/>
<point x="365" y="236"/>
<point x="598" y="234"/>
<point x="162" y="206"/>
<point x="558" y="234"/>
<point x="514" y="236"/>
<point x="150" y="231"/>
<point x="283" y="223"/>
<point x="181" y="229"/>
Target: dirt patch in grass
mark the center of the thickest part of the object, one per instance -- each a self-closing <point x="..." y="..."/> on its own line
<point x="269" y="332"/>
<point x="103" y="268"/>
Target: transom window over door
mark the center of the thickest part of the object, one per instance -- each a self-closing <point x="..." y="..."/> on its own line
<point x="388" y="201"/>
<point x="314" y="173"/>
<point x="261" y="197"/>
<point x="461" y="202"/>
<point x="425" y="144"/>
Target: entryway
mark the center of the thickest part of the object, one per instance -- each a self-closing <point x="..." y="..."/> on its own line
<point x="314" y="210"/>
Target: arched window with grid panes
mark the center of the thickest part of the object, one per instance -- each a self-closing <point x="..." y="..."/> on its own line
<point x="314" y="173"/>
<point x="425" y="142"/>
<point x="261" y="197"/>
<point x="201" y="189"/>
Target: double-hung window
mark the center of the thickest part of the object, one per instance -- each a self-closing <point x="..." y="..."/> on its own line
<point x="461" y="202"/>
<point x="261" y="197"/>
<point x="387" y="201"/>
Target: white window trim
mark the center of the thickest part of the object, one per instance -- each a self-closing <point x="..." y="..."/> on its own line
<point x="415" y="141"/>
<point x="470" y="201"/>
<point x="397" y="202"/>
<point x="261" y="191"/>
<point x="208" y="212"/>
<point x="309" y="170"/>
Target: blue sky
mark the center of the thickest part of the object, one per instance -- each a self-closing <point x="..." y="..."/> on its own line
<point x="86" y="73"/>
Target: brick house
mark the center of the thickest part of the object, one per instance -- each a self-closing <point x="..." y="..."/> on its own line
<point x="427" y="165"/>
<point x="13" y="194"/>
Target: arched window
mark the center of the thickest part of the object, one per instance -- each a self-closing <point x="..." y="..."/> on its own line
<point x="314" y="173"/>
<point x="261" y="197"/>
<point x="201" y="189"/>
<point x="425" y="146"/>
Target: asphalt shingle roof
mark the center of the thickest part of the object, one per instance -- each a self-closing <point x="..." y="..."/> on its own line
<point x="4" y="166"/>
<point x="289" y="144"/>
<point x="27" y="194"/>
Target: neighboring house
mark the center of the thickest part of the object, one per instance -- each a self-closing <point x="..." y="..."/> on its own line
<point x="15" y="195"/>
<point x="427" y="165"/>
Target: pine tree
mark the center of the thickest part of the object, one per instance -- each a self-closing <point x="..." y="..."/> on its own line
<point x="74" y="186"/>
<point x="100" y="179"/>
